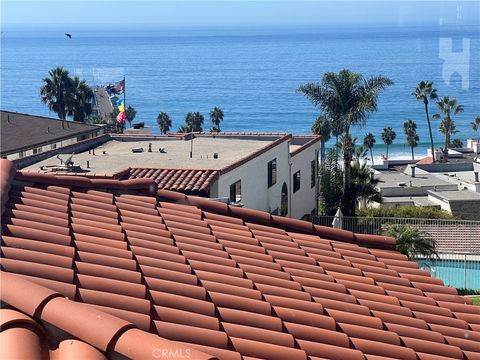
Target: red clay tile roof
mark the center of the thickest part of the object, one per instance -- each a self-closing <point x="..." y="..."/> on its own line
<point x="189" y="181"/>
<point x="425" y="160"/>
<point x="99" y="273"/>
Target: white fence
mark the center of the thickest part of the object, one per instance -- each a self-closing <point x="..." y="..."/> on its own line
<point x="457" y="243"/>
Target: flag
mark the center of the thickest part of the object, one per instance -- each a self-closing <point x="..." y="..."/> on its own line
<point x="121" y="107"/>
<point x="117" y="88"/>
<point x="121" y="117"/>
<point x="119" y="102"/>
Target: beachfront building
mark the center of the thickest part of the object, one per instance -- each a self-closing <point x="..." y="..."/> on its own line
<point x="276" y="173"/>
<point x="25" y="135"/>
<point x="453" y="186"/>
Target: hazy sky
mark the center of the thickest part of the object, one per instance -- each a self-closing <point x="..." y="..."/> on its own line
<point x="237" y="13"/>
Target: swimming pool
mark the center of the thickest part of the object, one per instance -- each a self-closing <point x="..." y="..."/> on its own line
<point x="457" y="273"/>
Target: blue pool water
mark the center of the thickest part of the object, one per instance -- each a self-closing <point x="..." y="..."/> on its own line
<point x="455" y="273"/>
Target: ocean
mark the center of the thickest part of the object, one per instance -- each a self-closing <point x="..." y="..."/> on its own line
<point x="252" y="74"/>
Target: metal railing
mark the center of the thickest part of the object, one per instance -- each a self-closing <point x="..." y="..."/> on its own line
<point x="457" y="243"/>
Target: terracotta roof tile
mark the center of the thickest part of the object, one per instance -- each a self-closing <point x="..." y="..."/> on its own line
<point x="189" y="181"/>
<point x="189" y="276"/>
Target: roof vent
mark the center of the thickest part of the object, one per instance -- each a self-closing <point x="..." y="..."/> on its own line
<point x="215" y="155"/>
<point x="48" y="129"/>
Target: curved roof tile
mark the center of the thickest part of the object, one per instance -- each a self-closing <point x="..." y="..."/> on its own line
<point x="227" y="282"/>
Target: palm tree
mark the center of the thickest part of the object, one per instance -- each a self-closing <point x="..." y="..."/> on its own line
<point x="424" y="92"/>
<point x="164" y="122"/>
<point x="56" y="91"/>
<point x="364" y="183"/>
<point x="321" y="127"/>
<point x="130" y="114"/>
<point x="412" y="241"/>
<point x="347" y="98"/>
<point x="388" y="135"/>
<point x="183" y="129"/>
<point x="216" y="116"/>
<point x="194" y="121"/>
<point x="475" y="124"/>
<point x="79" y="105"/>
<point x="337" y="130"/>
<point x="456" y="144"/>
<point x="448" y="107"/>
<point x="369" y="142"/>
<point x="410" y="130"/>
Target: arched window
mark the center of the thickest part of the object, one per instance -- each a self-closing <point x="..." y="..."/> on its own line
<point x="284" y="200"/>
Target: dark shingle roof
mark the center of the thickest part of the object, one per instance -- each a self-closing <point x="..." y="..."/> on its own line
<point x="23" y="131"/>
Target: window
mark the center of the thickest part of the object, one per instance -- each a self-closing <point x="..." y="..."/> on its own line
<point x="296" y="181"/>
<point x="272" y="172"/>
<point x="37" y="150"/>
<point x="236" y="191"/>
<point x="53" y="146"/>
<point x="21" y="154"/>
<point x="313" y="167"/>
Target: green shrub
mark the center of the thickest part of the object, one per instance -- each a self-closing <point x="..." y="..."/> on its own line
<point x="463" y="291"/>
<point x="405" y="212"/>
<point x="412" y="241"/>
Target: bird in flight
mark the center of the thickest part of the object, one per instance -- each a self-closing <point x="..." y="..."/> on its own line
<point x="68" y="35"/>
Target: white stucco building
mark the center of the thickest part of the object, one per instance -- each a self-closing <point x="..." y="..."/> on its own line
<point x="276" y="173"/>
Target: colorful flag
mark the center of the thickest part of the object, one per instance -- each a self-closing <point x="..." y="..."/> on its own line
<point x="121" y="107"/>
<point x="121" y="117"/>
<point x="119" y="102"/>
<point x="117" y="88"/>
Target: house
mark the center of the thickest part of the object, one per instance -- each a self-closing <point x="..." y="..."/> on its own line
<point x="24" y="135"/>
<point x="115" y="269"/>
<point x="276" y="173"/>
<point x="453" y="186"/>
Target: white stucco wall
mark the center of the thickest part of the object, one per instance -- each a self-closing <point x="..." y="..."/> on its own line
<point x="304" y="200"/>
<point x="253" y="174"/>
<point x="254" y="178"/>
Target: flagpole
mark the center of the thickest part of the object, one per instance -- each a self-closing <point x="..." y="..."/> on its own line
<point x="124" y="97"/>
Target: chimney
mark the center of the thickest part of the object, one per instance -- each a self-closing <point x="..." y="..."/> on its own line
<point x="476" y="176"/>
<point x="412" y="168"/>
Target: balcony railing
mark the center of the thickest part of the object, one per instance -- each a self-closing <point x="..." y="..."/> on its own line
<point x="457" y="243"/>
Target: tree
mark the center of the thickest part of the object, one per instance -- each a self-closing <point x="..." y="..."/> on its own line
<point x="448" y="107"/>
<point x="475" y="124"/>
<point x="97" y="119"/>
<point x="164" y="122"/>
<point x="79" y="100"/>
<point x="456" y="144"/>
<point x="410" y="130"/>
<point x="388" y="136"/>
<point x="183" y="129"/>
<point x="216" y="116"/>
<point x="322" y="127"/>
<point x="424" y="92"/>
<point x="363" y="182"/>
<point x="364" y="185"/>
<point x="337" y="130"/>
<point x="369" y="142"/>
<point x="194" y="121"/>
<point x="412" y="242"/>
<point x="130" y="114"/>
<point x="56" y="91"/>
<point x="347" y="98"/>
<point x="331" y="183"/>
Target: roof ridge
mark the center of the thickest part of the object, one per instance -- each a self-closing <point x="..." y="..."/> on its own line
<point x="143" y="184"/>
<point x="110" y="333"/>
<point x="265" y="218"/>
